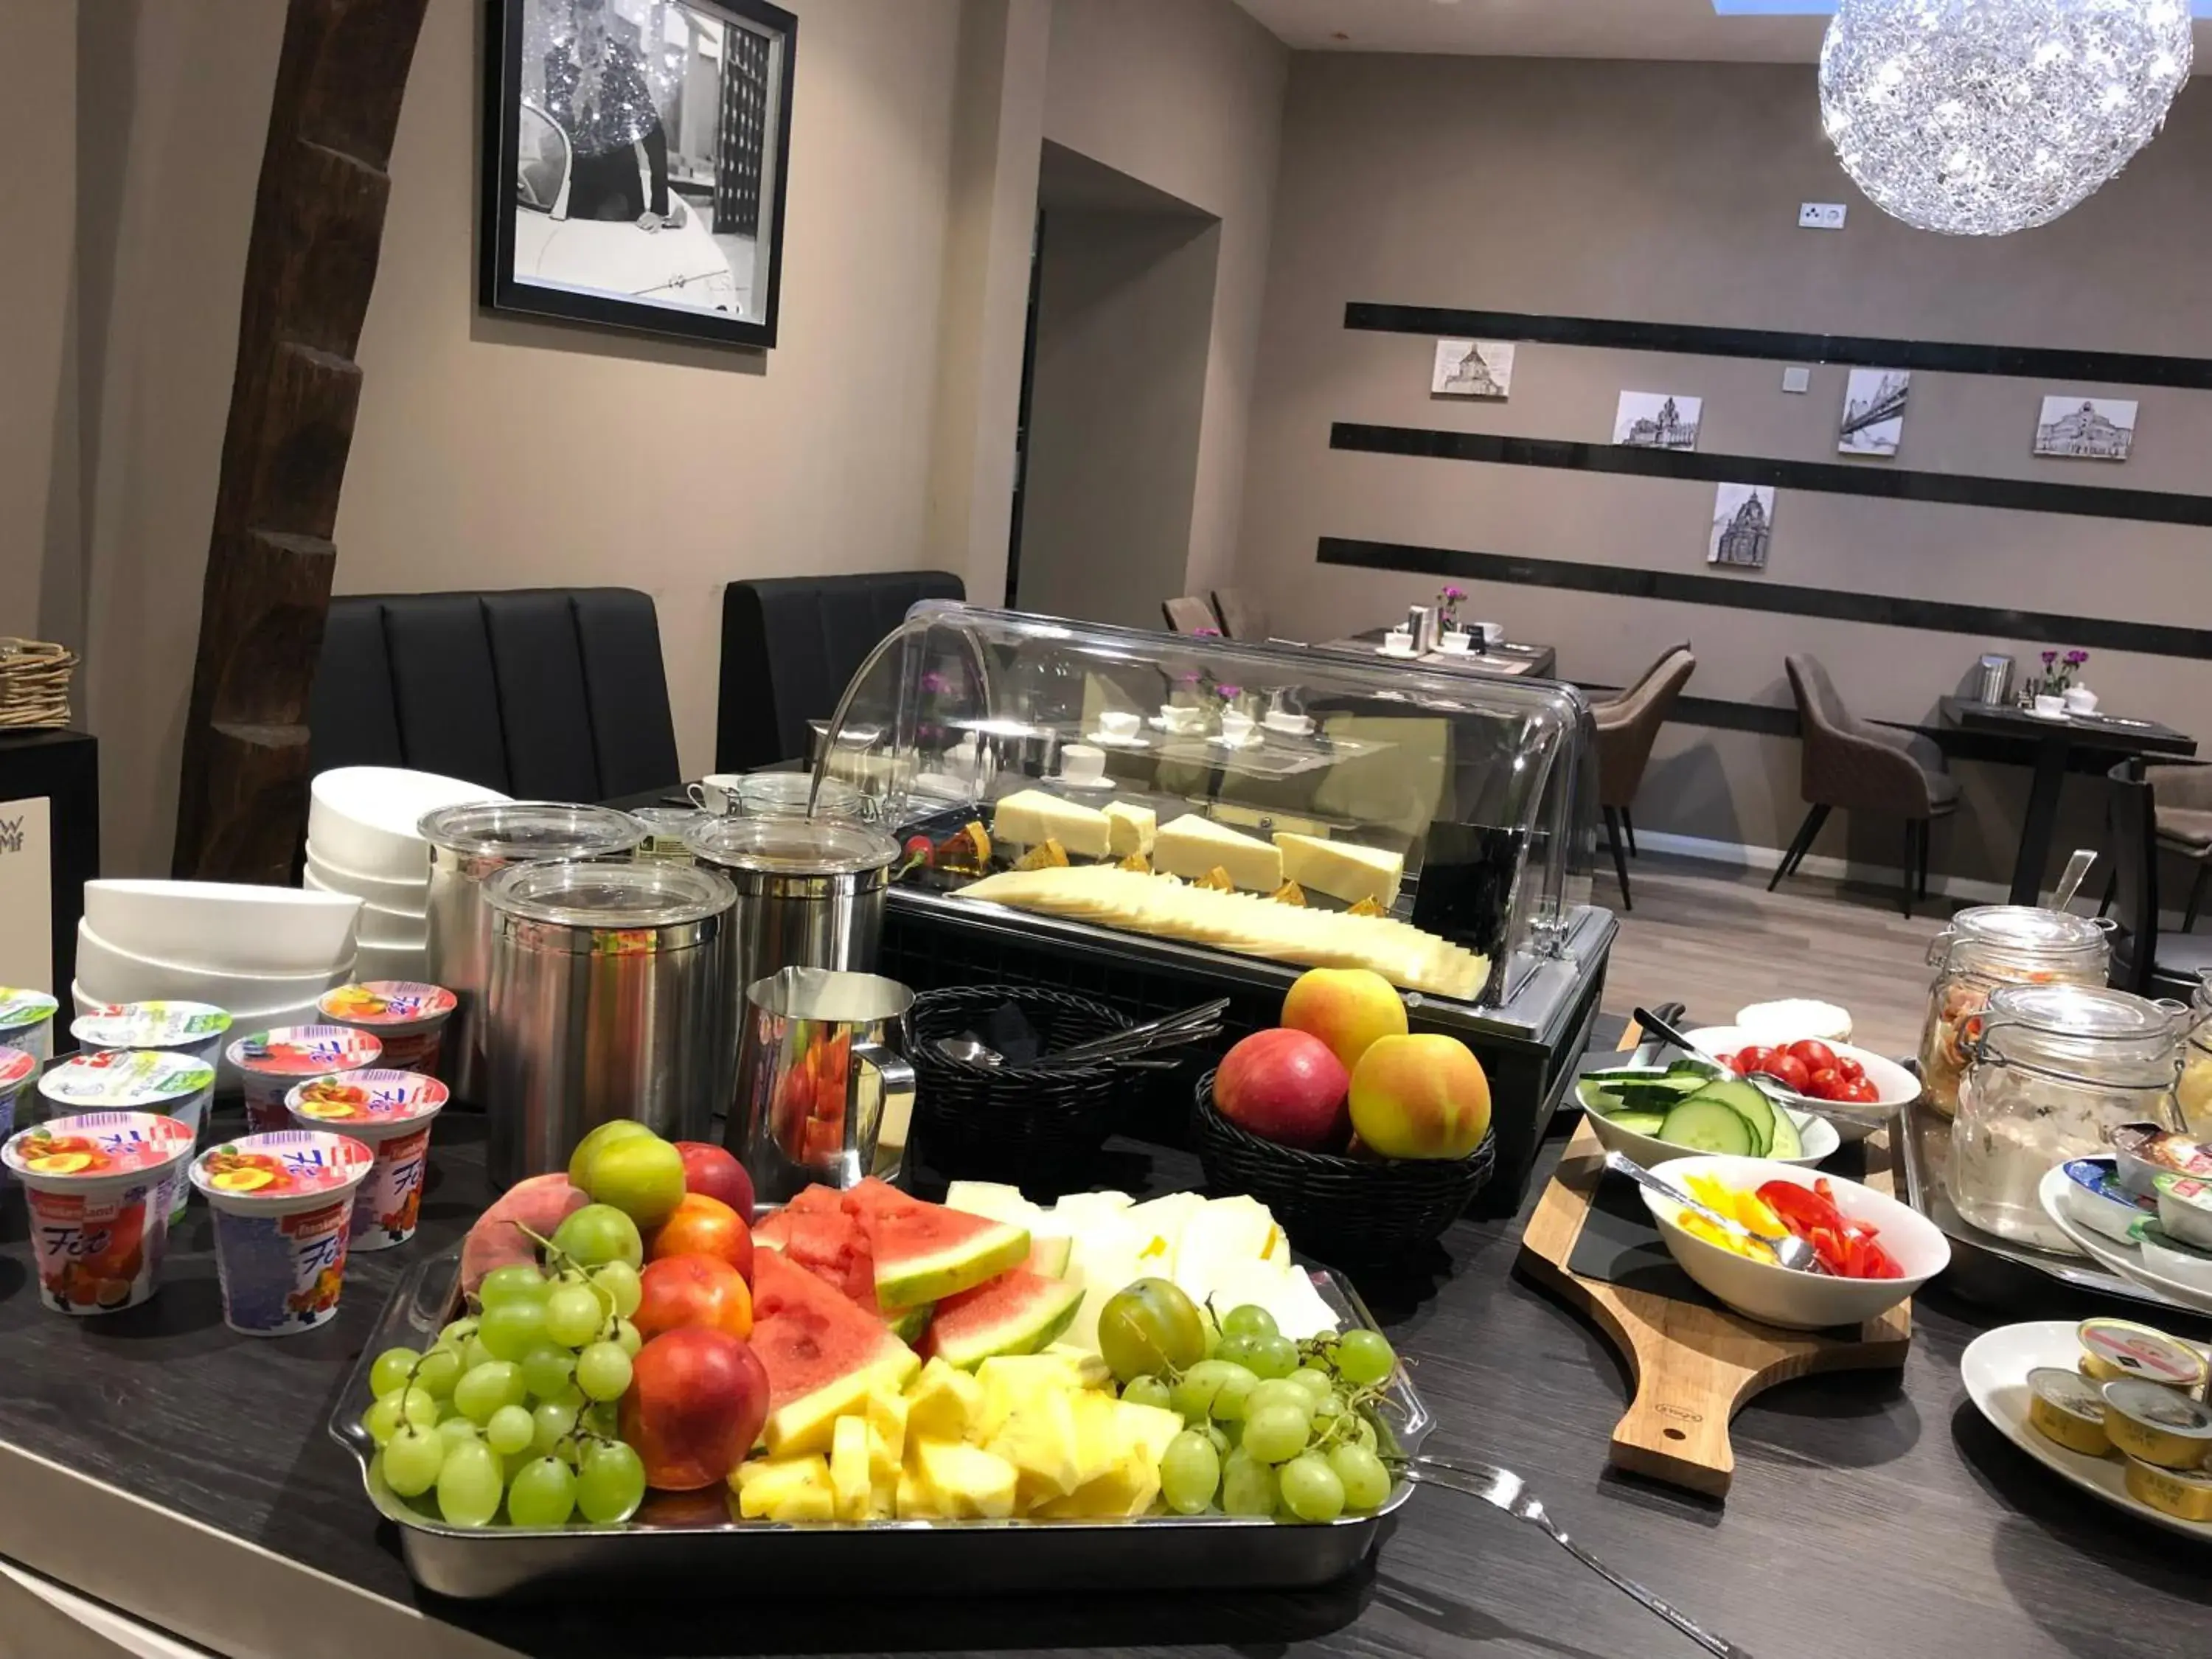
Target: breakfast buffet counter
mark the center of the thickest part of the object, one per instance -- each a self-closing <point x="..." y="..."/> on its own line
<point x="156" y="1461"/>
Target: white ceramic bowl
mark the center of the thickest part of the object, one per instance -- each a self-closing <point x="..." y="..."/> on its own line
<point x="413" y="896"/>
<point x="222" y="925"/>
<point x="363" y="817"/>
<point x="1817" y="1134"/>
<point x="1781" y="1296"/>
<point x="405" y="962"/>
<point x="114" y="974"/>
<point x="1895" y="1087"/>
<point x="378" y="922"/>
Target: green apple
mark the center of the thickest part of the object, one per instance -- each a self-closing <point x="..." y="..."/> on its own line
<point x="607" y="1133"/>
<point x="642" y="1176"/>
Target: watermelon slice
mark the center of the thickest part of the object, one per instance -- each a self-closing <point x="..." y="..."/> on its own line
<point x="926" y="1252"/>
<point x="909" y="1323"/>
<point x="1049" y="1253"/>
<point x="821" y="1353"/>
<point x="1017" y="1312"/>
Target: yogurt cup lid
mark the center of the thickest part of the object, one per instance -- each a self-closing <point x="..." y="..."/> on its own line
<point x="16" y="1066"/>
<point x="282" y="1166"/>
<point x="387" y="1002"/>
<point x="305" y="1051"/>
<point x="96" y="1147"/>
<point x="2097" y="1176"/>
<point x="125" y="1078"/>
<point x="21" y="1007"/>
<point x="373" y="1100"/>
<point x="2141" y="1352"/>
<point x="150" y="1024"/>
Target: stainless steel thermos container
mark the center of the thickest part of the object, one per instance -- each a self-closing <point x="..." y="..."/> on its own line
<point x="810" y="893"/>
<point x="468" y="845"/>
<point x="604" y="976"/>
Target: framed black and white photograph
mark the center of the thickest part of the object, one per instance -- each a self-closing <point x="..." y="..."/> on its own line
<point x="1657" y="420"/>
<point x="1743" y="526"/>
<point x="1874" y="412"/>
<point x="2087" y="429"/>
<point x="1471" y="369"/>
<point x="634" y="155"/>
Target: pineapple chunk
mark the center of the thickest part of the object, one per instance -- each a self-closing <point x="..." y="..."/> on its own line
<point x="784" y="1489"/>
<point x="1009" y="1381"/>
<point x="943" y="1402"/>
<point x="883" y="1497"/>
<point x="887" y="1413"/>
<point x="1146" y="1428"/>
<point x="1130" y="1439"/>
<point x="1039" y="1439"/>
<point x="911" y="1499"/>
<point x="850" y="1469"/>
<point x="964" y="1480"/>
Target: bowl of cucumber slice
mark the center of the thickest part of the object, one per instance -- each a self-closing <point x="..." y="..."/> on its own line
<point x="1652" y="1113"/>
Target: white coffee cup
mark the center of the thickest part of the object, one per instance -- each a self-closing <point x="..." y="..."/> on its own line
<point x="1398" y="642"/>
<point x="1289" y="724"/>
<point x="2049" y="707"/>
<point x="1182" y="717"/>
<point x="1456" y="645"/>
<point x="716" y="793"/>
<point x="1486" y="635"/>
<point x="1079" y="763"/>
<point x="1235" y="727"/>
<point x="1119" y="723"/>
<point x="2080" y="700"/>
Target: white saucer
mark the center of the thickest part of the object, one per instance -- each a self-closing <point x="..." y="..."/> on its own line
<point x="2037" y="715"/>
<point x="1397" y="656"/>
<point x="1112" y="740"/>
<point x="2125" y="1260"/>
<point x="1067" y="782"/>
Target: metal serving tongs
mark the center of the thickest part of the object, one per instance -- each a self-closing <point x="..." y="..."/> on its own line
<point x="1873" y="1117"/>
<point x="1170" y="1031"/>
<point x="1505" y="1490"/>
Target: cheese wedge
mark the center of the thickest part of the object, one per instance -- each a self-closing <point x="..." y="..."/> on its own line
<point x="1129" y="829"/>
<point x="1191" y="845"/>
<point x="1033" y="817"/>
<point x="1342" y="869"/>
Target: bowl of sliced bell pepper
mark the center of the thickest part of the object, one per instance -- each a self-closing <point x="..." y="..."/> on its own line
<point x="1874" y="1251"/>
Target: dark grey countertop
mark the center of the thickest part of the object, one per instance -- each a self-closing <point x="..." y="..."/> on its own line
<point x="156" y="1461"/>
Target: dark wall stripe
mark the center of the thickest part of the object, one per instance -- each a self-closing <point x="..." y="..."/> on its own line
<point x="1826" y="478"/>
<point x="1756" y="593"/>
<point x="1689" y="339"/>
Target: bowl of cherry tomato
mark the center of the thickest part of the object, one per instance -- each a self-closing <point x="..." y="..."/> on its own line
<point x="1875" y="1251"/>
<point x="1811" y="1074"/>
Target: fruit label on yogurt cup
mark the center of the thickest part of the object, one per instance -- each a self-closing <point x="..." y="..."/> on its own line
<point x="131" y="1079"/>
<point x="27" y="1020"/>
<point x="151" y="1024"/>
<point x="282" y="1273"/>
<point x="299" y="1051"/>
<point x="387" y="1002"/>
<point x="368" y="1101"/>
<point x="96" y="1147"/>
<point x="386" y="1204"/>
<point x="97" y="1252"/>
<point x="283" y="1165"/>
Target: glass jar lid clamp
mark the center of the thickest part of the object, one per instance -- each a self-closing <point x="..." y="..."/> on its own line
<point x="2085" y="1034"/>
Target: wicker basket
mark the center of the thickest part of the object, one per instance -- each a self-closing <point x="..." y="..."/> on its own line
<point x="1038" y="1130"/>
<point x="1340" y="1209"/>
<point x="35" y="683"/>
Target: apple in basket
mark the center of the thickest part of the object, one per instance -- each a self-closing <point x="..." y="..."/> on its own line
<point x="1423" y="1095"/>
<point x="1284" y="1086"/>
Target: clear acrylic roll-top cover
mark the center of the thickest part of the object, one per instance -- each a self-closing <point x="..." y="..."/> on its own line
<point x="1315" y="808"/>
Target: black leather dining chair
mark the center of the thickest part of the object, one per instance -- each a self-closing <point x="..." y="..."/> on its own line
<point x="2146" y="958"/>
<point x="790" y="644"/>
<point x="544" y="693"/>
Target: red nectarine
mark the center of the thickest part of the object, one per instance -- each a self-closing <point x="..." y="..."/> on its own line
<point x="705" y="1291"/>
<point x="696" y="1401"/>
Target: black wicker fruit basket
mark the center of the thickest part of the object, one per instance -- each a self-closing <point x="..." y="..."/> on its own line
<point x="1340" y="1209"/>
<point x="1038" y="1130"/>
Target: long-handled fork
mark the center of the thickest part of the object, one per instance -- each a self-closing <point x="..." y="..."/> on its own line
<point x="1502" y="1489"/>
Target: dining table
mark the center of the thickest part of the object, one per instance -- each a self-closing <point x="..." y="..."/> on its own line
<point x="1518" y="661"/>
<point x="2051" y="746"/>
<point x="186" y="1477"/>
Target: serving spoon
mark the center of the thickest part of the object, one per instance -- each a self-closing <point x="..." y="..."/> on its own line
<point x="1789" y="1250"/>
<point x="1873" y="1116"/>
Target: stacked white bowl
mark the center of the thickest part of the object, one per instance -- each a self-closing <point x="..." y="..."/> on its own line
<point x="263" y="954"/>
<point x="362" y="842"/>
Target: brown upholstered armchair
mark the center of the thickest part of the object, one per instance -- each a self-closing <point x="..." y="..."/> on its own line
<point x="1241" y="619"/>
<point x="1861" y="768"/>
<point x="1626" y="728"/>
<point x="2184" y="799"/>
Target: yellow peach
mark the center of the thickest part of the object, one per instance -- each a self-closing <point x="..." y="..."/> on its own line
<point x="1419" y="1096"/>
<point x="1347" y="1008"/>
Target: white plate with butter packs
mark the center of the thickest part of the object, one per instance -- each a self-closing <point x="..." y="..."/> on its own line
<point x="1996" y="1369"/>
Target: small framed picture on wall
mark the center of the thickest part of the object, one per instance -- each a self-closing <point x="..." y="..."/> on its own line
<point x="634" y="157"/>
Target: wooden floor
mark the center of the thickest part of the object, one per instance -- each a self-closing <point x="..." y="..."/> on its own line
<point x="1715" y="938"/>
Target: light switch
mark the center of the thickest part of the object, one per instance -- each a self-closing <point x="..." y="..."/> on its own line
<point x="1797" y="380"/>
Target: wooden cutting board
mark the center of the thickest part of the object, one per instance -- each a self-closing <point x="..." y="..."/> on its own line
<point x="1694" y="1364"/>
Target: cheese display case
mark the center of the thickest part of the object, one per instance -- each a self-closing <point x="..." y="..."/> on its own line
<point x="1154" y="819"/>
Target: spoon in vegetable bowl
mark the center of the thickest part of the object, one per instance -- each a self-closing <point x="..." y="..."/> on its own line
<point x="1789" y="1250"/>
<point x="1867" y="1116"/>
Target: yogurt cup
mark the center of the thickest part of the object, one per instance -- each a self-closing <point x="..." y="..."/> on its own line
<point x="409" y="1019"/>
<point x="98" y="1184"/>
<point x="390" y="1110"/>
<point x="17" y="1071"/>
<point x="283" y="1212"/>
<point x="27" y="1022"/>
<point x="173" y="1085"/>
<point x="195" y="1029"/>
<point x="271" y="1062"/>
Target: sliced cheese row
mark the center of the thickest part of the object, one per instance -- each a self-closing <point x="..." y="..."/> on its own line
<point x="1249" y="926"/>
<point x="1193" y="845"/>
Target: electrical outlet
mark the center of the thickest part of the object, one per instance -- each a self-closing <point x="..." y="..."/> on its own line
<point x="1821" y="215"/>
<point x="1797" y="380"/>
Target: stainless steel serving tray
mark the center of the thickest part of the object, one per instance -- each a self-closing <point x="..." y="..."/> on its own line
<point x="1986" y="1268"/>
<point x="696" y="1535"/>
